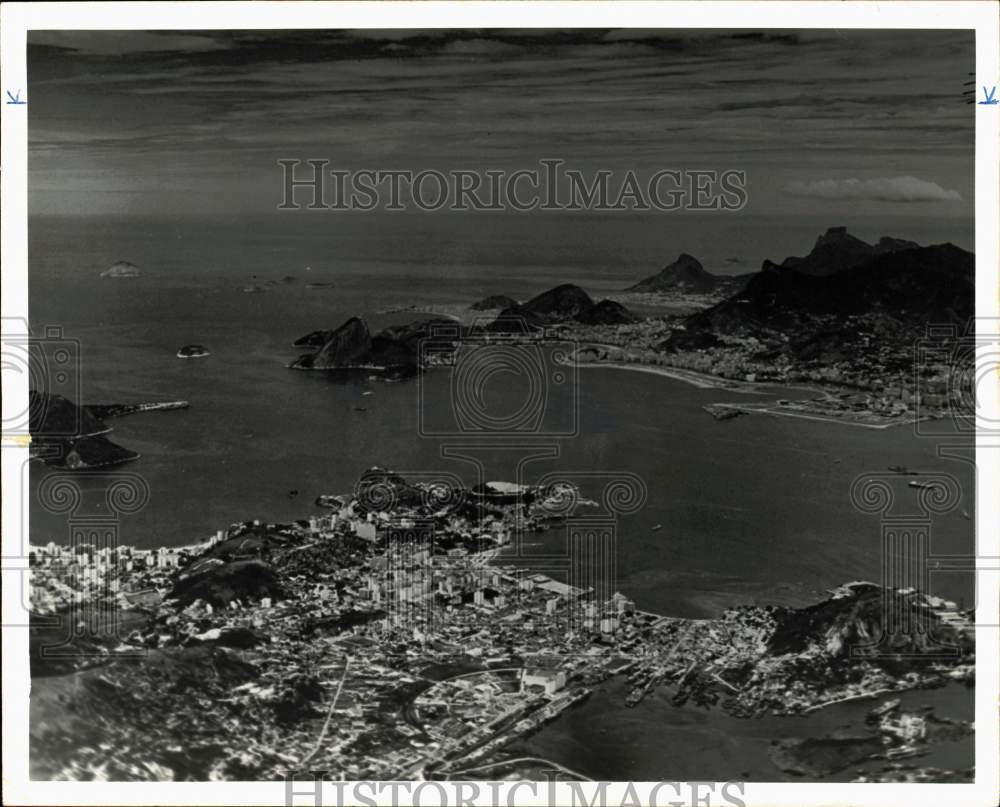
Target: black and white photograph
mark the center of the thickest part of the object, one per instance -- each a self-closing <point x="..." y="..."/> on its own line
<point x="546" y="409"/>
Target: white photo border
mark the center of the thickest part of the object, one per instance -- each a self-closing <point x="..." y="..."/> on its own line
<point x="16" y="19"/>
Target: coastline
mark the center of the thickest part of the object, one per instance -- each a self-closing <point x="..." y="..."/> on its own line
<point x="433" y="311"/>
<point x="768" y="409"/>
<point x="705" y="381"/>
<point x="702" y="380"/>
<point x="524" y="638"/>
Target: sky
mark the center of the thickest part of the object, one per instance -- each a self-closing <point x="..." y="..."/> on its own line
<point x="173" y="123"/>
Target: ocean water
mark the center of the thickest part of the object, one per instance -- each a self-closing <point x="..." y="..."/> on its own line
<point x="657" y="741"/>
<point x="752" y="508"/>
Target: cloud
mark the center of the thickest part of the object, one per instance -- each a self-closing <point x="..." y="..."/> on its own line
<point x="227" y="104"/>
<point x="481" y="47"/>
<point x="119" y="42"/>
<point x="885" y="189"/>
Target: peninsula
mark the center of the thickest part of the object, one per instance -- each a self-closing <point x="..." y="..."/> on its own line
<point x="66" y="435"/>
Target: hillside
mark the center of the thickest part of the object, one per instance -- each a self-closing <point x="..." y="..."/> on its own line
<point x="395" y="349"/>
<point x="562" y="304"/>
<point x="837" y="251"/>
<point x="494" y="302"/>
<point x="685" y="275"/>
<point x="896" y="292"/>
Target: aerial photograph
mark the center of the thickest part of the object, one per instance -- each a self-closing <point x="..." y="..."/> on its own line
<point x="492" y="404"/>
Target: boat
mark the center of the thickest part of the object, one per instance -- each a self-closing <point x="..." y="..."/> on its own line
<point x="921" y="485"/>
<point x="657" y="527"/>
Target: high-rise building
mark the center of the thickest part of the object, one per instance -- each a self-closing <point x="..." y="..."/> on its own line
<point x="593" y="562"/>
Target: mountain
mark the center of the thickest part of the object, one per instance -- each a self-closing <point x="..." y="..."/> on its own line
<point x="94" y="452"/>
<point x="899" y="291"/>
<point x="68" y="436"/>
<point x="494" y="301"/>
<point x="606" y="312"/>
<point x="686" y="274"/>
<point x="395" y="348"/>
<point x="565" y="303"/>
<point x="350" y="345"/>
<point x="852" y="622"/>
<point x="560" y="303"/>
<point x="52" y="415"/>
<point x="313" y="339"/>
<point x="887" y="244"/>
<point x="837" y="251"/>
<point x="407" y="337"/>
<point x="380" y="490"/>
<point x="247" y="580"/>
<point x="516" y="320"/>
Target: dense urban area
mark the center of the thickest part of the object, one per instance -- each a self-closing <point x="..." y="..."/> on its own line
<point x="387" y="639"/>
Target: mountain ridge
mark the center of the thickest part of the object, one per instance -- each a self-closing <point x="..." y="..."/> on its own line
<point x="901" y="289"/>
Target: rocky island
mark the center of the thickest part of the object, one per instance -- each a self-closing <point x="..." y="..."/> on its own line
<point x="122" y="269"/>
<point x="392" y="353"/>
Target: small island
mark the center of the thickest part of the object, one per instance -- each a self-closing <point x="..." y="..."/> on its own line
<point x="122" y="269"/>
